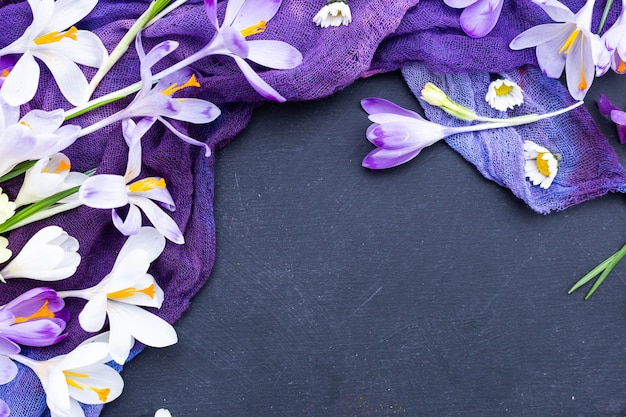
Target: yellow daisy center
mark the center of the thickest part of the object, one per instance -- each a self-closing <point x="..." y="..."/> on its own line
<point x="503" y="90"/>
<point x="542" y="164"/>
<point x="52" y="37"/>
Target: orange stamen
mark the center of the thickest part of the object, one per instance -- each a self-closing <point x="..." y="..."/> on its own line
<point x="42" y="313"/>
<point x="147" y="184"/>
<point x="52" y="37"/>
<point x="621" y="68"/>
<point x="254" y="29"/>
<point x="129" y="292"/>
<point x="103" y="393"/>
<point x="582" y="85"/>
<point x="5" y="73"/>
<point x="191" y="82"/>
<point x="569" y="42"/>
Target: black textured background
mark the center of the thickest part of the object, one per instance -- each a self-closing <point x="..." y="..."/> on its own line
<point x="423" y="290"/>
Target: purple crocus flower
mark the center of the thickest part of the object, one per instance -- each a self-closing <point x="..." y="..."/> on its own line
<point x="479" y="16"/>
<point x="4" y="409"/>
<point x="35" y="318"/>
<point x="617" y="116"/>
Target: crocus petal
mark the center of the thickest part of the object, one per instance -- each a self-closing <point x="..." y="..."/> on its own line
<point x="84" y="355"/>
<point x="5" y="410"/>
<point x="194" y="110"/>
<point x="381" y="158"/>
<point x="69" y="77"/>
<point x="67" y="13"/>
<point x="399" y="135"/>
<point x="556" y="10"/>
<point x="261" y="87"/>
<point x="274" y="54"/>
<point x="8" y="370"/>
<point x="252" y="12"/>
<point x="459" y="4"/>
<point x="232" y="9"/>
<point x="191" y="141"/>
<point x="103" y="384"/>
<point x="580" y="69"/>
<point x="539" y="34"/>
<point x="374" y="105"/>
<point x="480" y="18"/>
<point x="146" y="327"/>
<point x="619" y="118"/>
<point x="234" y="41"/>
<point x="57" y="392"/>
<point x="120" y="341"/>
<point x="44" y="121"/>
<point x="104" y="191"/>
<point x="552" y="65"/>
<point x="92" y="316"/>
<point x="87" y="49"/>
<point x="42" y="11"/>
<point x="210" y="6"/>
<point x="161" y="221"/>
<point x="131" y="224"/>
<point x="21" y="84"/>
<point x="148" y="240"/>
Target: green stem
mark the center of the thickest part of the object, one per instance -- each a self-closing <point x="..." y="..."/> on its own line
<point x="604" y="268"/>
<point x="17" y="170"/>
<point x="153" y="10"/>
<point x="605" y="14"/>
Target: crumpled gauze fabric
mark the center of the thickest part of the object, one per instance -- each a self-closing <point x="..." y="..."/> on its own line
<point x="383" y="36"/>
<point x="332" y="60"/>
<point x="589" y="167"/>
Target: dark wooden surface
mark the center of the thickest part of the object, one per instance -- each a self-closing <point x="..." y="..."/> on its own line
<point x="425" y="290"/>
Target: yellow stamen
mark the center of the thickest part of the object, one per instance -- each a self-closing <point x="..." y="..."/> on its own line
<point x="569" y="42"/>
<point x="503" y="90"/>
<point x="5" y="73"/>
<point x="25" y="124"/>
<point x="191" y="82"/>
<point x="103" y="393"/>
<point x="147" y="184"/>
<point x="42" y="313"/>
<point x="254" y="29"/>
<point x="70" y="382"/>
<point x="129" y="292"/>
<point x="52" y="37"/>
<point x="542" y="164"/>
<point x="621" y="68"/>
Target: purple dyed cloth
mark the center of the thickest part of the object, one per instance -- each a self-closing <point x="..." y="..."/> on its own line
<point x="383" y="36"/>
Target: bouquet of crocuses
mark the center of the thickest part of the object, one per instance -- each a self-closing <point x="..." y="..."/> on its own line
<point x="37" y="176"/>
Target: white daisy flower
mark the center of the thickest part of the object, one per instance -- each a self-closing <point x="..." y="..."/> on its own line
<point x="7" y="208"/>
<point x="335" y="13"/>
<point x="541" y="164"/>
<point x="504" y="94"/>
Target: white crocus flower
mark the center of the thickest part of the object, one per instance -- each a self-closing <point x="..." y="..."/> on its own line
<point x="7" y="207"/>
<point x="121" y="293"/>
<point x="5" y="252"/>
<point x="334" y="13"/>
<point x="568" y="44"/>
<point x="54" y="40"/>
<point x="162" y="412"/>
<point x="47" y="177"/>
<point x="503" y="94"/>
<point x="81" y="376"/>
<point x="50" y="255"/>
<point x="36" y="135"/>
<point x="109" y="191"/>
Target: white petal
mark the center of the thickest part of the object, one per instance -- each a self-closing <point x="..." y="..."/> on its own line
<point x="254" y="11"/>
<point x="148" y="240"/>
<point x="87" y="49"/>
<point x="160" y="220"/>
<point x="103" y="384"/>
<point x="21" y="84"/>
<point x="92" y="316"/>
<point x="195" y="110"/>
<point x="146" y="327"/>
<point x="69" y="77"/>
<point x="263" y="88"/>
<point x="85" y="355"/>
<point x="120" y="339"/>
<point x="274" y="54"/>
<point x="104" y="191"/>
<point x="131" y="224"/>
<point x="68" y="13"/>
